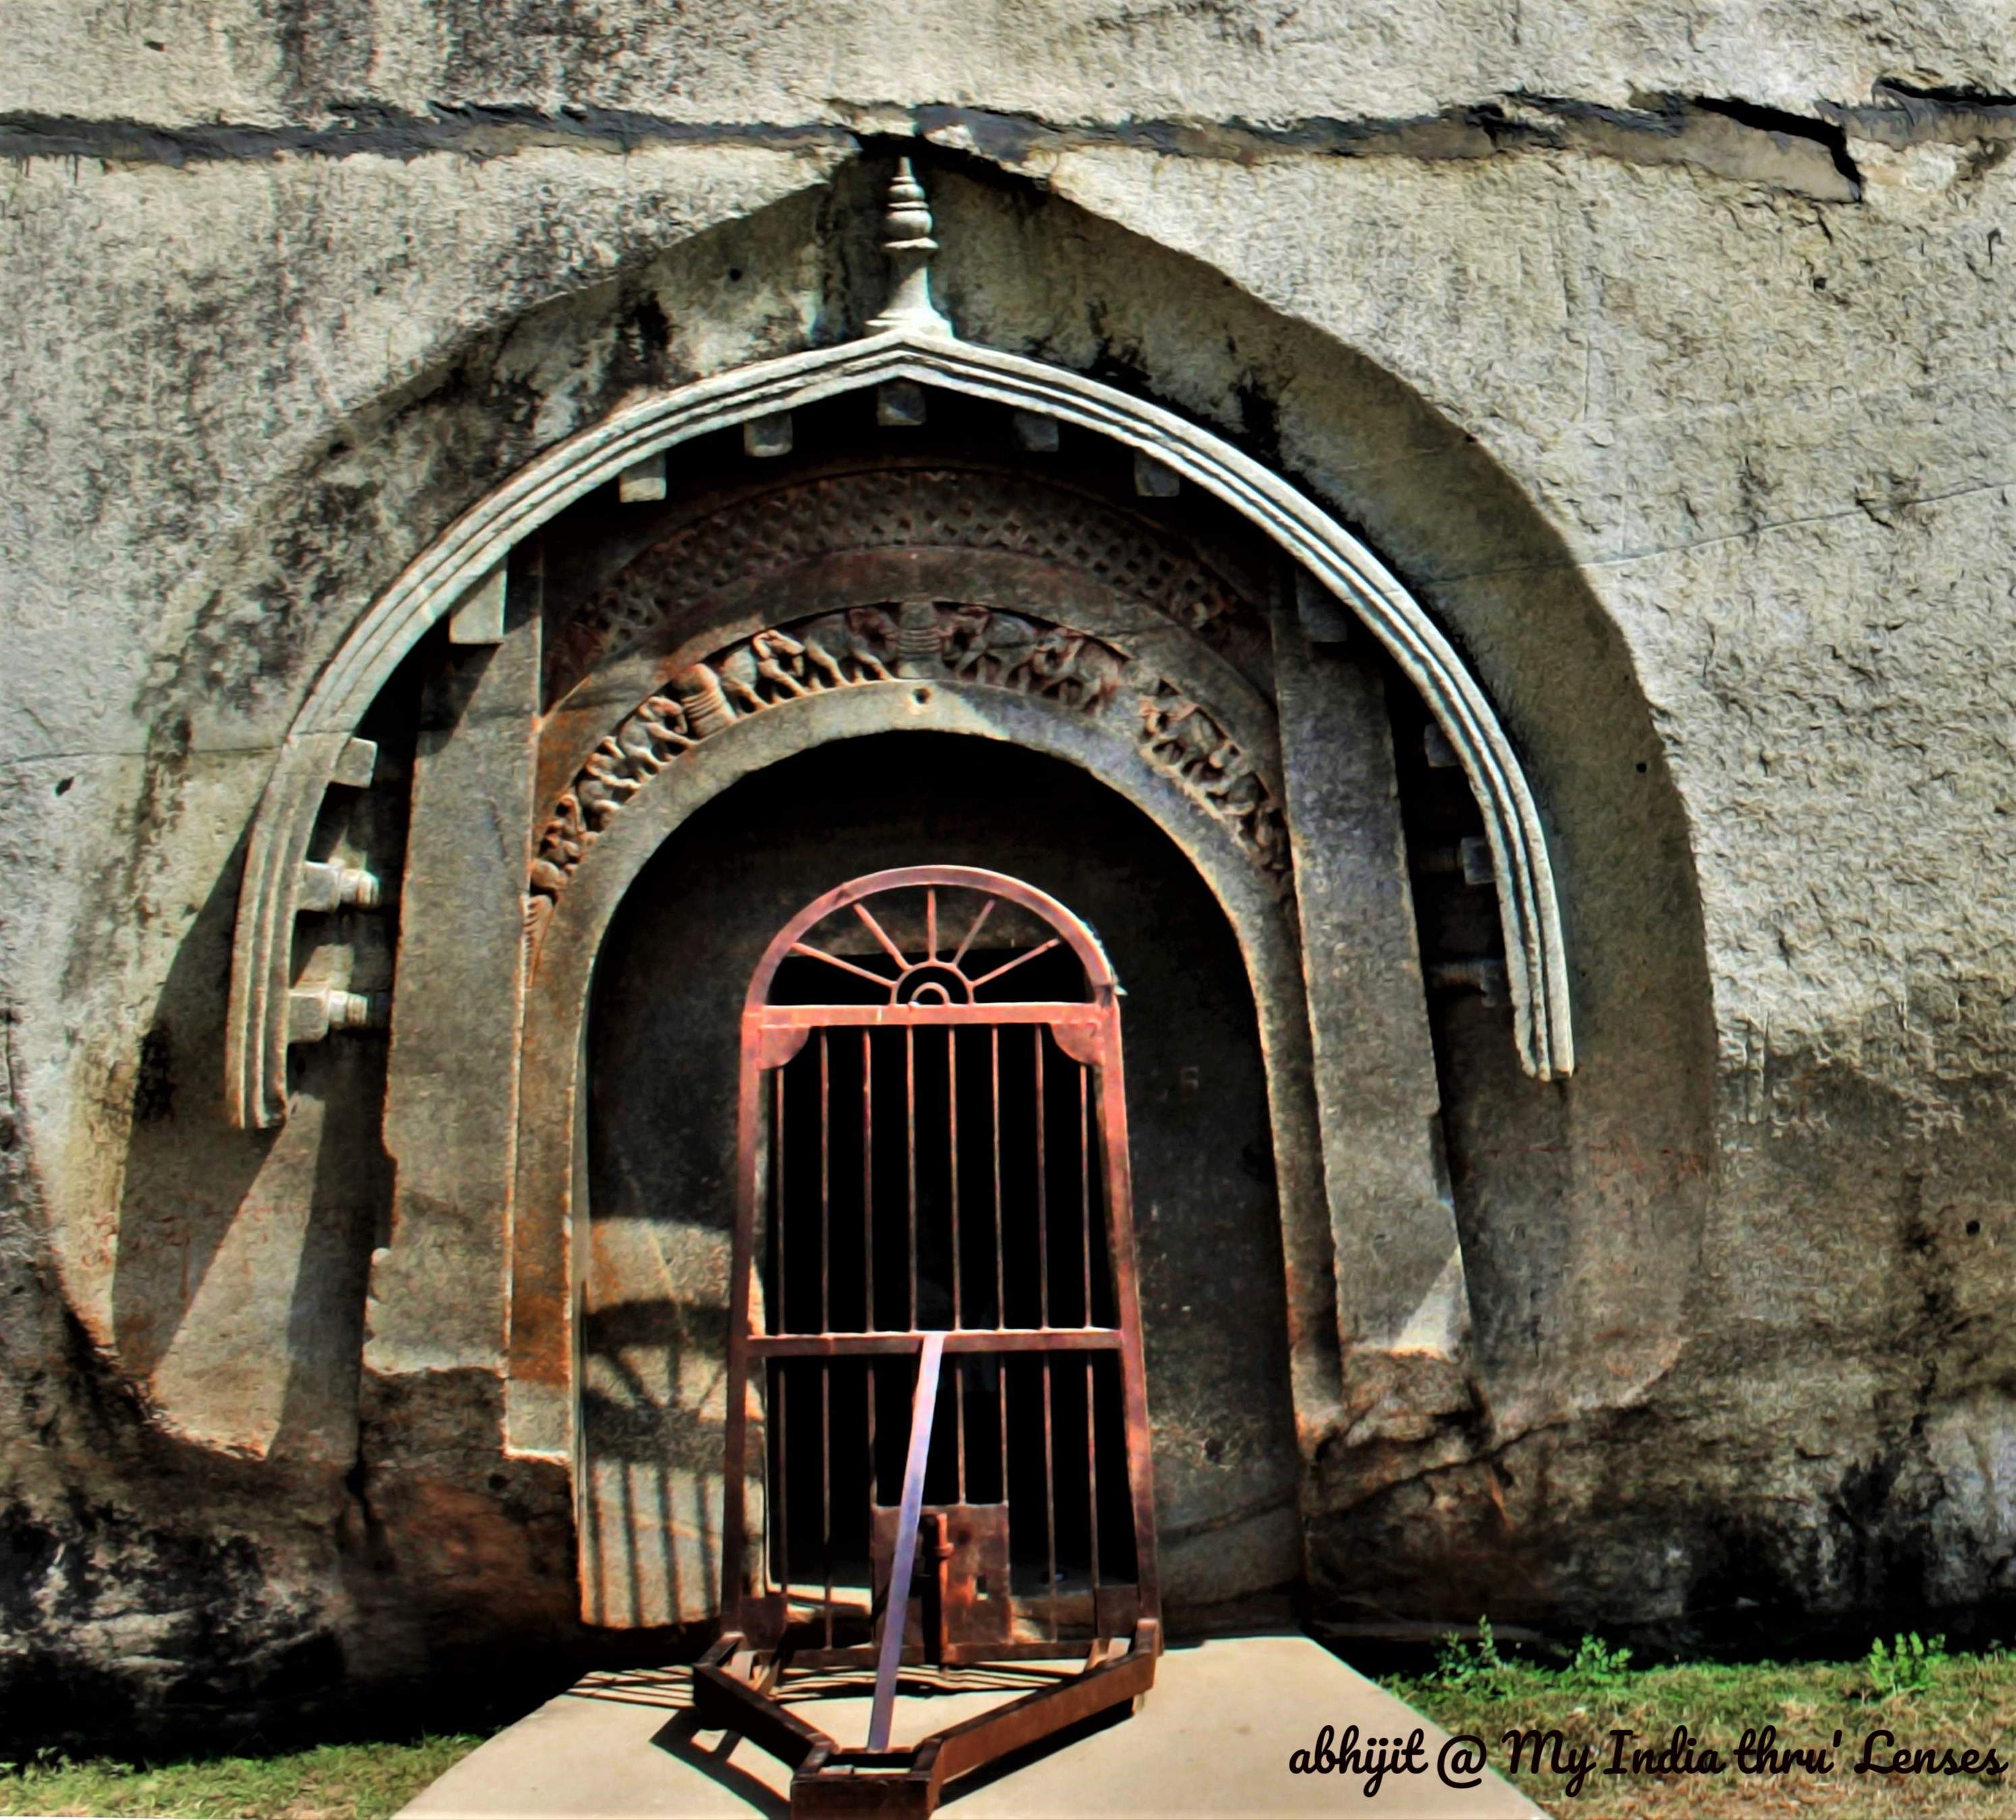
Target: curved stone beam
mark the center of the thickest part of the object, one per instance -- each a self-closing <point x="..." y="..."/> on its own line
<point x="549" y="1228"/>
<point x="464" y="558"/>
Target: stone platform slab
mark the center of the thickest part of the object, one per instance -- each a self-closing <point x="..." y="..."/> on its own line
<point x="1213" y="1739"/>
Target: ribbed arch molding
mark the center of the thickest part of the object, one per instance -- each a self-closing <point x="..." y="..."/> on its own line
<point x="470" y="551"/>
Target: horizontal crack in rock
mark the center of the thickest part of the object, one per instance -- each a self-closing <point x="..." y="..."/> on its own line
<point x="1802" y="155"/>
<point x="1806" y="156"/>
<point x="1899" y="114"/>
<point x="373" y="132"/>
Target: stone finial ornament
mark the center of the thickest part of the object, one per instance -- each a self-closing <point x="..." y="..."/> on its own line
<point x="906" y="224"/>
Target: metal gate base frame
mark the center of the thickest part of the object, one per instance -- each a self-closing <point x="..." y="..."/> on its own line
<point x="731" y="1693"/>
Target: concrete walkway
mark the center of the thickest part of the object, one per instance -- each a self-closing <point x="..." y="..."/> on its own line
<point x="1213" y="1739"/>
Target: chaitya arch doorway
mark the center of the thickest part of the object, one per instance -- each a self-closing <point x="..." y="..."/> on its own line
<point x="622" y="657"/>
<point x="662" y="1075"/>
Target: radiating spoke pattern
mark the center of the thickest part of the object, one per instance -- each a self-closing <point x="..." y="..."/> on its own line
<point x="897" y="944"/>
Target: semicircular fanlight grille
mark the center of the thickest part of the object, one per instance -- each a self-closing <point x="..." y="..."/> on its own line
<point x="930" y="944"/>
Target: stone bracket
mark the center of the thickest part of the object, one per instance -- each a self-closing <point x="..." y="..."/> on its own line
<point x="326" y="887"/>
<point x="312" y="1016"/>
<point x="479" y="618"/>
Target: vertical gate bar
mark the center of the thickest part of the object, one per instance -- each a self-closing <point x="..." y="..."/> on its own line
<point x="1000" y="1242"/>
<point x="958" y="1272"/>
<point x="826" y="1323"/>
<point x="868" y="1264"/>
<point x="763" y="1579"/>
<point x="734" y="1513"/>
<point x="1050" y="1497"/>
<point x="763" y="1476"/>
<point x="825" y="1183"/>
<point x="783" y="1519"/>
<point x="910" y="1079"/>
<point x="931" y="923"/>
<point x="1000" y="1268"/>
<point x="867" y="1189"/>
<point x="1127" y="1310"/>
<point x="1043" y="1308"/>
<point x="951" y="1114"/>
<point x="1085" y="1178"/>
<point x="1001" y="1387"/>
<point x="825" y="1486"/>
<point x="1043" y="1190"/>
<point x="1092" y="1482"/>
<point x="1084" y="1229"/>
<point x="774" y="1320"/>
<point x="896" y="1608"/>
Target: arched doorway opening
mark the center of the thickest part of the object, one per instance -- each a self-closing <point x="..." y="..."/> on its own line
<point x="661" y="1073"/>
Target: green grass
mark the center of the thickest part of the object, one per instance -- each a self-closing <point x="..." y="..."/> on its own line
<point x="1910" y="1687"/>
<point x="333" y="1781"/>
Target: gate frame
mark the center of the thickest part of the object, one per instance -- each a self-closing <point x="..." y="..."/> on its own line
<point x="733" y="1682"/>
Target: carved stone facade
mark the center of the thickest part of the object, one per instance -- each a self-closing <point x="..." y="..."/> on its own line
<point x="924" y="506"/>
<point x="1548" y="603"/>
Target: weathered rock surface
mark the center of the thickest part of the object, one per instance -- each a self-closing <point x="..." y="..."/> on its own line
<point x="1667" y="356"/>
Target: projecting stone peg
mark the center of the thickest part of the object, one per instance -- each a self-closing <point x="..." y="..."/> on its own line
<point x="1036" y="432"/>
<point x="906" y="238"/>
<point x="767" y="437"/>
<point x="312" y="1016"/>
<point x="355" y="764"/>
<point x="1469" y="859"/>
<point x="1326" y="619"/>
<point x="1487" y="978"/>
<point x="899" y="404"/>
<point x="642" y="481"/>
<point x="333" y="887"/>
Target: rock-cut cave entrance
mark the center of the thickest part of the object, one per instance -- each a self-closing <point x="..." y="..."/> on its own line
<point x="877" y="1149"/>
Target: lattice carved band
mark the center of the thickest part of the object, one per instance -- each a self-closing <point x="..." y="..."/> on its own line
<point x="934" y="507"/>
<point x="867" y="646"/>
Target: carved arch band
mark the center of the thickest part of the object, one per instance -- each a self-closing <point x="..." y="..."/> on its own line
<point x="468" y="558"/>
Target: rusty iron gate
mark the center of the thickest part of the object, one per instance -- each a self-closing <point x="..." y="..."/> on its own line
<point x="934" y="1371"/>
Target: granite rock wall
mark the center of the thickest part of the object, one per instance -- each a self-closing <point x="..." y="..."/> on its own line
<point x="1665" y="354"/>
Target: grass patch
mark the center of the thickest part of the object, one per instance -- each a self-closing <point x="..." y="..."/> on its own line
<point x="331" y="1782"/>
<point x="1908" y="1686"/>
